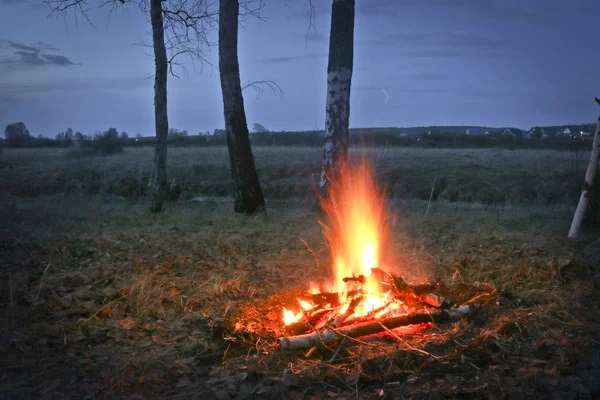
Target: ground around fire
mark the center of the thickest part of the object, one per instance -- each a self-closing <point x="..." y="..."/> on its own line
<point x="101" y="300"/>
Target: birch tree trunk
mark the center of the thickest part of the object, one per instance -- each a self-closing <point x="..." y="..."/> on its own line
<point x="590" y="176"/>
<point x="339" y="79"/>
<point x="159" y="175"/>
<point x="248" y="193"/>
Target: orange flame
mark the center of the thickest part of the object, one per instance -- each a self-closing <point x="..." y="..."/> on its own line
<point x="289" y="317"/>
<point x="356" y="229"/>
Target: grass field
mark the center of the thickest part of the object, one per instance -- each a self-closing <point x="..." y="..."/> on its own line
<point x="100" y="299"/>
<point x="489" y="176"/>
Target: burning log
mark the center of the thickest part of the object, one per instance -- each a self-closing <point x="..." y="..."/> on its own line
<point x="328" y="336"/>
<point x="331" y="298"/>
<point x="341" y="318"/>
<point x="435" y="301"/>
<point x="308" y="321"/>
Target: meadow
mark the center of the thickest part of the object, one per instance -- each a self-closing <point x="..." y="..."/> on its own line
<point x="489" y="176"/>
<point x="100" y="299"/>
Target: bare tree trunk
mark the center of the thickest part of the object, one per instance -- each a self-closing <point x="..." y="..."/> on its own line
<point x="590" y="176"/>
<point x="248" y="193"/>
<point x="159" y="175"/>
<point x="339" y="79"/>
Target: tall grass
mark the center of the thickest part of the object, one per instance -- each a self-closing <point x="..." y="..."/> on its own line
<point x="490" y="176"/>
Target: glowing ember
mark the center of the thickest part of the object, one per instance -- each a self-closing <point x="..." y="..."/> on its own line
<point x="289" y="317"/>
<point x="305" y="305"/>
<point x="356" y="231"/>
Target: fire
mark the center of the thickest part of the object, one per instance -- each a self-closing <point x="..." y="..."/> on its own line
<point x="289" y="317"/>
<point x="356" y="230"/>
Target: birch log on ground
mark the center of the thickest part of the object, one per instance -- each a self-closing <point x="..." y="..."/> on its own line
<point x="590" y="177"/>
<point x="339" y="80"/>
<point x="248" y="193"/>
<point x="159" y="174"/>
<point x="328" y="336"/>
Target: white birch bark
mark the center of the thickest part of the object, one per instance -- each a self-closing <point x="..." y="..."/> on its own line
<point x="337" y="121"/>
<point x="590" y="177"/>
<point x="339" y="80"/>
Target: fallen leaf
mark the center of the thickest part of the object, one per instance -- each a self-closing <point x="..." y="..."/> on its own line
<point x="127" y="324"/>
<point x="107" y="311"/>
<point x="141" y="379"/>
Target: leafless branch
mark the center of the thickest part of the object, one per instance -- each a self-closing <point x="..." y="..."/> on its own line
<point x="259" y="87"/>
<point x="311" y="16"/>
<point x="62" y="8"/>
<point x="251" y="8"/>
<point x="187" y="23"/>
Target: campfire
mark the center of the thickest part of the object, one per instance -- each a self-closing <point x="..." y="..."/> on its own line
<point x="363" y="297"/>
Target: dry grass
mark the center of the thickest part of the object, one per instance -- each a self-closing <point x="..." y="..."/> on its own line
<point x="133" y="305"/>
<point x="479" y="175"/>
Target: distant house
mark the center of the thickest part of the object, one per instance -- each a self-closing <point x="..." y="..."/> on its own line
<point x="567" y="131"/>
<point x="585" y="134"/>
<point x="508" y="132"/>
<point x="487" y="133"/>
<point x="403" y="134"/>
<point x="473" y="131"/>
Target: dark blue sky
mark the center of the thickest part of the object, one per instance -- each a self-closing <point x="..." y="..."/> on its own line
<point x="441" y="62"/>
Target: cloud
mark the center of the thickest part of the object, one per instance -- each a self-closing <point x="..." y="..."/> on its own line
<point x="446" y="40"/>
<point x="482" y="10"/>
<point x="26" y="56"/>
<point x="430" y="76"/>
<point x="46" y="46"/>
<point x="19" y="90"/>
<point x="289" y="59"/>
<point x="5" y="99"/>
<point x="463" y="91"/>
<point x="446" y="45"/>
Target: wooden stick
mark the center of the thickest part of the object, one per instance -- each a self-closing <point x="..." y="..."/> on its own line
<point x="590" y="176"/>
<point x="37" y="296"/>
<point x="308" y="321"/>
<point x="340" y="319"/>
<point x="368" y="328"/>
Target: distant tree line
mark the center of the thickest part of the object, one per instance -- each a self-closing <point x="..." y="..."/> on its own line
<point x="111" y="142"/>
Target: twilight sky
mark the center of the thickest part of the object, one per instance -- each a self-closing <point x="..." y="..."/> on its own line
<point x="441" y="62"/>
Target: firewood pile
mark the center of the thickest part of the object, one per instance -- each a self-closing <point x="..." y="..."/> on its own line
<point x="331" y="317"/>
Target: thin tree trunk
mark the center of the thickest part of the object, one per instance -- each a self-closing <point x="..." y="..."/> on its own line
<point x="590" y="176"/>
<point x="159" y="176"/>
<point x="339" y="79"/>
<point x="248" y="193"/>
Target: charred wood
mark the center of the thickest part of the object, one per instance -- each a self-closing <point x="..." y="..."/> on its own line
<point x="328" y="336"/>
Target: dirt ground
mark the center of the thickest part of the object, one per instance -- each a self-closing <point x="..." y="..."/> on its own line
<point x="101" y="300"/>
